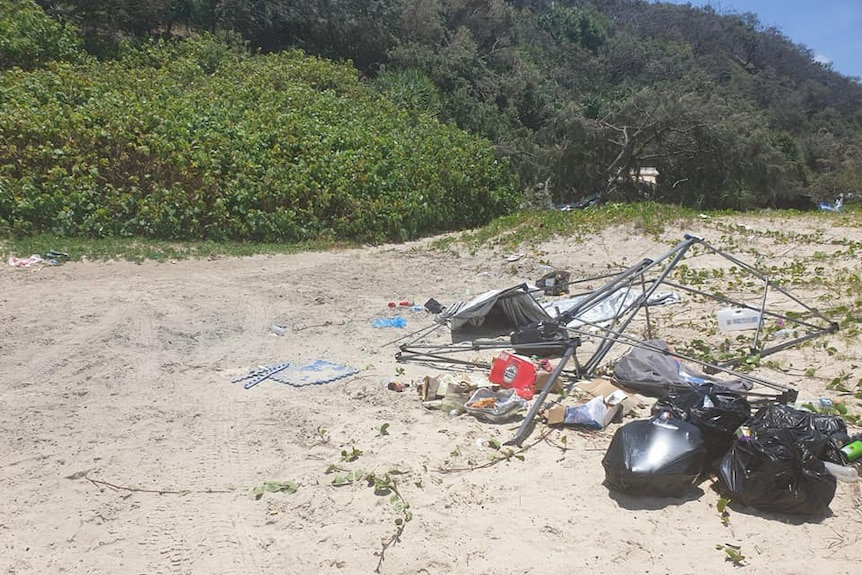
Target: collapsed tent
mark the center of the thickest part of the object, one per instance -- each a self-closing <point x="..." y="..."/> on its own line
<point x="619" y="313"/>
<point x="610" y="308"/>
<point x="493" y="313"/>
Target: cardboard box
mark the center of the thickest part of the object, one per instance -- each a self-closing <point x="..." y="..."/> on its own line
<point x="556" y="415"/>
<point x="606" y="388"/>
<point x="542" y="378"/>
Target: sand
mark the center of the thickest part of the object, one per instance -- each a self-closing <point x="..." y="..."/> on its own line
<point x="126" y="448"/>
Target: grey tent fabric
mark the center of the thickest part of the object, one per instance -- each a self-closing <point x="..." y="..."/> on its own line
<point x="648" y="371"/>
<point x="496" y="312"/>
<point x="652" y="371"/>
<point x="609" y="308"/>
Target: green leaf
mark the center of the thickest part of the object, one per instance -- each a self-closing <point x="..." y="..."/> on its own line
<point x="289" y="487"/>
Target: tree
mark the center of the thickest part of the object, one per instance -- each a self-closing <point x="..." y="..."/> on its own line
<point x="29" y="37"/>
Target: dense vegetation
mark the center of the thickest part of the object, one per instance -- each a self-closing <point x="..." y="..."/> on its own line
<point x="194" y="140"/>
<point x="575" y="96"/>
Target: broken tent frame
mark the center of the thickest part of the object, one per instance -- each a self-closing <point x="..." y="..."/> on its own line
<point x="630" y="293"/>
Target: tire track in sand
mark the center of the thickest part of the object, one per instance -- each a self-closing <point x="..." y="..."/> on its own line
<point x="207" y="532"/>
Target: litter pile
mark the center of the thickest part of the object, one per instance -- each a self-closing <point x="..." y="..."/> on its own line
<point x="766" y="449"/>
<point x="681" y="417"/>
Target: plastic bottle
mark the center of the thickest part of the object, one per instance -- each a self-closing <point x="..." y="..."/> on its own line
<point x="277" y="329"/>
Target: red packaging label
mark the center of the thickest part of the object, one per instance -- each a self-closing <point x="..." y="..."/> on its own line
<point x="513" y="371"/>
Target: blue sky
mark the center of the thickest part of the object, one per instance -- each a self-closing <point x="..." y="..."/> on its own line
<point x="831" y="29"/>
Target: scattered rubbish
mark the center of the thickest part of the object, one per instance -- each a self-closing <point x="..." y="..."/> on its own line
<point x="832" y="207"/>
<point x="582" y="204"/>
<point x="32" y="261"/>
<point x="494" y="406"/>
<point x="774" y="472"/>
<point x="781" y="334"/>
<point x="608" y="311"/>
<point x="543" y="339"/>
<point x="601" y="387"/>
<point x="554" y="282"/>
<point x="447" y="392"/>
<point x="395" y="385"/>
<point x="277" y="329"/>
<point x="433" y="306"/>
<point x="258" y="375"/>
<point x="716" y="411"/>
<point x="493" y="313"/>
<point x="651" y="370"/>
<point x="852" y="451"/>
<point x="314" y="373"/>
<point x="698" y="421"/>
<point x="662" y="456"/>
<point x="51" y="258"/>
<point x="398" y="322"/>
<point x="514" y="257"/>
<point x="403" y="303"/>
<point x="737" y="319"/>
<point x="512" y="371"/>
<point x="780" y="467"/>
<point x="841" y="472"/>
<point x="593" y="414"/>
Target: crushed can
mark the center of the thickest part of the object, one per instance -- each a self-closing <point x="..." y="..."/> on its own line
<point x="852" y="451"/>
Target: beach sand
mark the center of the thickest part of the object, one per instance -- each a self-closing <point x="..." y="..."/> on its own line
<point x="126" y="448"/>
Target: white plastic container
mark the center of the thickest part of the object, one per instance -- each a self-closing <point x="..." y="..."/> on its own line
<point x="841" y="472"/>
<point x="737" y="319"/>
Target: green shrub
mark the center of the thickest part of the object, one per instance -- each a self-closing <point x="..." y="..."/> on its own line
<point x="194" y="141"/>
<point x="29" y="37"/>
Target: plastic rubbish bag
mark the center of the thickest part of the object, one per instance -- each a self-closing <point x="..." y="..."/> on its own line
<point x="398" y="322"/>
<point x="777" y="470"/>
<point x="804" y="424"/>
<point x="590" y="414"/>
<point x="662" y="456"/>
<point x="717" y="411"/>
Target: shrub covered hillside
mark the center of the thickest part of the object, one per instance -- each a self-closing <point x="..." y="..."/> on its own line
<point x="195" y="139"/>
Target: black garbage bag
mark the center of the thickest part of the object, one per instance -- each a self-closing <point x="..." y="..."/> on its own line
<point x="774" y="471"/>
<point x="662" y="456"/>
<point x="717" y="411"/>
<point x="825" y="433"/>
